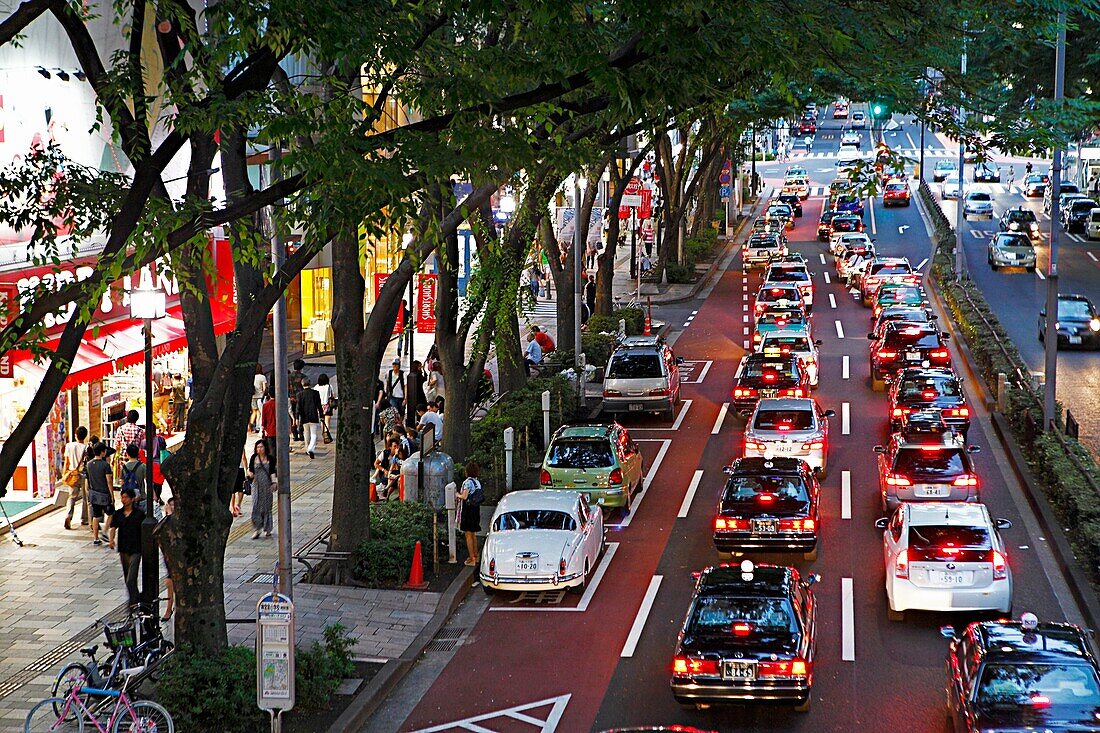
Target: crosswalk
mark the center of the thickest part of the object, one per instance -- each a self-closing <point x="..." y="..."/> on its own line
<point x="543" y="314"/>
<point x="993" y="188"/>
<point x="906" y="152"/>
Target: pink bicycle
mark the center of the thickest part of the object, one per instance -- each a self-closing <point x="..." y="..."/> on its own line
<point x="69" y="714"/>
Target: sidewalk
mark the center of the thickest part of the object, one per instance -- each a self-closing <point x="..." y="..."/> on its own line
<point x="53" y="590"/>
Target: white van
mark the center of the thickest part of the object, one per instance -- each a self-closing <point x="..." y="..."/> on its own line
<point x="1092" y="224"/>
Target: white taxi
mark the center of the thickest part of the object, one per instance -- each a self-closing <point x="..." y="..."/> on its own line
<point x="795" y="341"/>
<point x="783" y="427"/>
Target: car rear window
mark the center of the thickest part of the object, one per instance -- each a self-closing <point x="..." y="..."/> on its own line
<point x="534" y="519"/>
<point x="715" y="616"/>
<point x="979" y="196"/>
<point x="1083" y="205"/>
<point x="929" y="388"/>
<point x="844" y="224"/>
<point x="946" y="543"/>
<point x="787" y="343"/>
<point x="784" y="420"/>
<point x="788" y="274"/>
<point x="780" y="317"/>
<point x="580" y="453"/>
<point x="928" y="463"/>
<point x="896" y="187"/>
<point x="635" y="366"/>
<point x="1015" y="684"/>
<point x="781" y="370"/>
<point x="891" y="269"/>
<point x="912" y="337"/>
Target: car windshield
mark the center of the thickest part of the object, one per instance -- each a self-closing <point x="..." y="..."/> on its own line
<point x="929" y="388"/>
<point x="784" y="420"/>
<point x="1074" y="309"/>
<point x="635" y="366"/>
<point x="714" y="616"/>
<point x="914" y="336"/>
<point x="534" y="519"/>
<point x="580" y="453"/>
<point x="1016" y="684"/>
<point x="775" y="369"/>
<point x="978" y="196"/>
<point x="921" y="463"/>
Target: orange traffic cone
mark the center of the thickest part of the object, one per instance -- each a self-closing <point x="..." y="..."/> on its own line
<point x="416" y="572"/>
<point x="648" y="315"/>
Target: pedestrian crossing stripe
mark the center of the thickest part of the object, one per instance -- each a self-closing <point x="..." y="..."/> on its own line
<point x="532" y="714"/>
<point x="907" y="152"/>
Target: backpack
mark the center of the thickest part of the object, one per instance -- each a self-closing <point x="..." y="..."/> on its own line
<point x="130" y="479"/>
<point x="476" y="496"/>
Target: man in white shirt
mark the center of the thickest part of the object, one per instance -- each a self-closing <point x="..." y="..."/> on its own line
<point x="429" y="416"/>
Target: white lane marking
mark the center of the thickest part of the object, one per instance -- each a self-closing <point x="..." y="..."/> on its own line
<point x="721" y="418"/>
<point x="694" y="313"/>
<point x="822" y="256"/>
<point x="745" y="318"/>
<point x="679" y="418"/>
<point x="845" y="419"/>
<point x="847" y="621"/>
<point x="839" y="330"/>
<point x="871" y="206"/>
<point x="685" y="506"/>
<point x="637" y="503"/>
<point x="922" y="263"/>
<point x="832" y="300"/>
<point x="582" y="606"/>
<point x="844" y="367"/>
<point x="1092" y="257"/>
<point x="1040" y="274"/>
<point x="643" y="614"/>
<point x="545" y="726"/>
<point x="1075" y="237"/>
<point x="1046" y="216"/>
<point x="746" y="309"/>
<point x="827" y="280"/>
<point x="746" y="331"/>
<point x="910" y="138"/>
<point x="703" y="374"/>
<point x="845" y="494"/>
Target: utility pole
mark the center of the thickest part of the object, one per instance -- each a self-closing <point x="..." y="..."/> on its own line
<point x="960" y="258"/>
<point x="282" y="399"/>
<point x="1050" y="331"/>
<point x="578" y="287"/>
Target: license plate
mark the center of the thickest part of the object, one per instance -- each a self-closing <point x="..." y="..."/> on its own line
<point x="769" y="392"/>
<point x="932" y="491"/>
<point x="636" y="408"/>
<point x="785" y="449"/>
<point x="527" y="565"/>
<point x="951" y="578"/>
<point x="1010" y="256"/>
<point x="912" y="356"/>
<point x="739" y="670"/>
<point x="763" y="526"/>
<point x="1075" y="339"/>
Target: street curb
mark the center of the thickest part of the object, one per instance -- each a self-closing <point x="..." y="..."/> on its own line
<point x="395" y="670"/>
<point x="960" y="343"/>
<point x="1079" y="585"/>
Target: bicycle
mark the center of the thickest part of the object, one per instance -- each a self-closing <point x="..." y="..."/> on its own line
<point x="137" y="716"/>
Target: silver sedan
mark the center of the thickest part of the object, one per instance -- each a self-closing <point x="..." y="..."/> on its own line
<point x="978" y="203"/>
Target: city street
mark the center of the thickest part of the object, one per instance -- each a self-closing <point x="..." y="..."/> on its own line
<point x="602" y="660"/>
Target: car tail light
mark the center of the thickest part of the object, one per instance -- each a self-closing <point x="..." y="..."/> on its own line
<point x="788" y="668"/>
<point x="894" y="479"/>
<point x="884" y="354"/>
<point x="612" y="393"/>
<point x="616" y="476"/>
<point x="1040" y="701"/>
<point x="561" y="566"/>
<point x="793" y="392"/>
<point x="967" y="479"/>
<point x="797" y="525"/>
<point x="753" y="445"/>
<point x="742" y="628"/>
<point x="813" y="445"/>
<point x="766" y="498"/>
<point x="744" y="392"/>
<point x="493" y="566"/>
<point x="940" y="354"/>
<point x="693" y="666"/>
<point x="756" y="337"/>
<point x="958" y="412"/>
<point x="901" y="565"/>
<point x="730" y="523"/>
<point x="544" y="478"/>
<point x="899" y="412"/>
<point x="660" y="392"/>
<point x="1000" y="566"/>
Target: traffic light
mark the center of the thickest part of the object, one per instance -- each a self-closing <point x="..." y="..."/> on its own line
<point x="878" y="109"/>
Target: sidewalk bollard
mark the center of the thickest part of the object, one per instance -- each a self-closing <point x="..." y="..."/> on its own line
<point x="622" y="329"/>
<point x="546" y="419"/>
<point x="509" y="442"/>
<point x="452" y="523"/>
<point x="1002" y="390"/>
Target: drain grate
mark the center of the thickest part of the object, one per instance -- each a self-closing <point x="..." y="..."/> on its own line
<point x="446" y="640"/>
<point x="265" y="578"/>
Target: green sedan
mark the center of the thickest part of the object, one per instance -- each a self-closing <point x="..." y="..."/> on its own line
<point x="600" y="461"/>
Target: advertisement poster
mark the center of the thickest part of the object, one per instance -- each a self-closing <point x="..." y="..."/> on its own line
<point x="380" y="280"/>
<point x="425" y="303"/>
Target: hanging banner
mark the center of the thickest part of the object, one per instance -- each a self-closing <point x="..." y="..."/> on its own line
<point x="380" y="280"/>
<point x="425" y="303"/>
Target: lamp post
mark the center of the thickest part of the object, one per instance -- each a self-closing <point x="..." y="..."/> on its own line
<point x="147" y="303"/>
<point x="1050" y="331"/>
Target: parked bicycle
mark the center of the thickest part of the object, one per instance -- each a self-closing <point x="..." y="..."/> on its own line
<point x="127" y="716"/>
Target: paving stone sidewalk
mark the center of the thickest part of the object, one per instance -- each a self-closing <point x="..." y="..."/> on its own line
<point x="53" y="589"/>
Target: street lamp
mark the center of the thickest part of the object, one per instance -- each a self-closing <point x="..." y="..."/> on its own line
<point x="148" y="304"/>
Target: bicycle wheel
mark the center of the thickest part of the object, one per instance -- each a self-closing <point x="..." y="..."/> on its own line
<point x="43" y="719"/>
<point x="148" y="717"/>
<point x="166" y="648"/>
<point x="71" y="676"/>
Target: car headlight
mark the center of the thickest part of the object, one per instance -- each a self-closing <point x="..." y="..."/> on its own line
<point x="1034" y="226"/>
<point x="1094" y="324"/>
<point x="1013" y="226"/>
<point x="1057" y="325"/>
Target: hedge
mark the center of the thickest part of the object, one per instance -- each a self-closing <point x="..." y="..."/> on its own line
<point x="395" y="527"/>
<point x="1076" y="503"/>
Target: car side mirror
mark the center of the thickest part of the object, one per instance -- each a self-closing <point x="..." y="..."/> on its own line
<point x="680" y="360"/>
<point x="947" y="632"/>
<point x="696" y="574"/>
<point x="973" y="449"/>
<point x="945" y="335"/>
<point x="881" y="522"/>
<point x="1043" y="313"/>
<point x="871" y="336"/>
<point x="880" y="449"/>
<point x="1002" y="524"/>
<point x="812" y="579"/>
<point x="830" y="413"/>
<point x="728" y="470"/>
<point x="817" y="342"/>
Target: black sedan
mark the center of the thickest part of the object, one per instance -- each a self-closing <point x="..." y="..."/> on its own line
<point x="824" y="227"/>
<point x="768" y="504"/>
<point x="793" y="201"/>
<point x="1021" y="676"/>
<point x="923" y="388"/>
<point x="748" y="636"/>
<point x="1078" y="323"/>
<point x="1020" y="220"/>
<point x="986" y="173"/>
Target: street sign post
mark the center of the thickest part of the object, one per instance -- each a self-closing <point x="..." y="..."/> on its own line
<point x="275" y="656"/>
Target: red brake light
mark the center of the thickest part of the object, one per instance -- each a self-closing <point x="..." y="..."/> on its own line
<point x="770" y="376"/>
<point x="884" y="354"/>
<point x="744" y="392"/>
<point x="692" y="666"/>
<point x="492" y="566"/>
<point x="616" y="476"/>
<point x="1040" y="701"/>
<point x="766" y="498"/>
<point x="730" y="523"/>
<point x="940" y="354"/>
<point x="1000" y="566"/>
<point x="660" y="392"/>
<point x="561" y="566"/>
<point x="901" y="565"/>
<point x="612" y="393"/>
<point x="813" y="445"/>
<point x="753" y="445"/>
<point x="967" y="479"/>
<point x="893" y="479"/>
<point x="783" y="428"/>
<point x="794" y="392"/>
<point x="742" y="629"/>
<point x="899" y="412"/>
<point x="797" y="525"/>
<point x="929" y="394"/>
<point x="788" y="668"/>
<point x="544" y="478"/>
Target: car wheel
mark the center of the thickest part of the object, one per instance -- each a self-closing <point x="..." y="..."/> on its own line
<point x="877" y="384"/>
<point x="803" y="706"/>
<point x="669" y="414"/>
<point x="810" y="556"/>
<point x="579" y="589"/>
<point x="1031" y="269"/>
<point x="489" y="590"/>
<point x="894" y="615"/>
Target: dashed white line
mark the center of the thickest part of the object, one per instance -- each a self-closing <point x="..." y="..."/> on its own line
<point x="679" y="419"/>
<point x="685" y="506"/>
<point x="871" y="207"/>
<point x="922" y="263"/>
<point x="1040" y="274"/>
<point x="721" y="418"/>
<point x="832" y="300"/>
<point x="822" y="256"/>
<point x="844" y="367"/>
<point x="745" y="344"/>
<point x="745" y="318"/>
<point x="845" y="419"/>
<point x="847" y="621"/>
<point x="1092" y="257"/>
<point x="1075" y="237"/>
<point x="845" y="494"/>
<point x="643" y="614"/>
<point x="637" y="503"/>
<point x="703" y="373"/>
<point x="746" y="331"/>
<point x="828" y="281"/>
<point x="839" y="330"/>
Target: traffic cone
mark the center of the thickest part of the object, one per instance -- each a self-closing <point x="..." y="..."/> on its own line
<point x="647" y="331"/>
<point x="648" y="314"/>
<point x="416" y="572"/>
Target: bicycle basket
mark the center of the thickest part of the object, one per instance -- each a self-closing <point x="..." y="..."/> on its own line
<point x="122" y="633"/>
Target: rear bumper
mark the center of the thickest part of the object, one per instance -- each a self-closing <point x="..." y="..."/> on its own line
<point x="904" y="596"/>
<point x="783" y="542"/>
<point x="646" y="404"/>
<point x="602" y="496"/>
<point x="520" y="585"/>
<point x="816" y="458"/>
<point x="690" y="690"/>
<point x="894" y="499"/>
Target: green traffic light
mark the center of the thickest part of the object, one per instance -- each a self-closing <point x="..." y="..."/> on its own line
<point x="876" y="110"/>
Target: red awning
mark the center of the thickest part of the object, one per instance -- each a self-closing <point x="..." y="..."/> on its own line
<point x="103" y="353"/>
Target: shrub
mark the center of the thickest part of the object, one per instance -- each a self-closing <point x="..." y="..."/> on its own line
<point x="601" y="324"/>
<point x="319" y="669"/>
<point x="597" y="348"/>
<point x="700" y="246"/>
<point x="634" y="317"/>
<point x="395" y="527"/>
<point x="679" y="274"/>
<point x="212" y="693"/>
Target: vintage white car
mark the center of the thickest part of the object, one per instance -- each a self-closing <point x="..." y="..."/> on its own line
<point x="542" y="540"/>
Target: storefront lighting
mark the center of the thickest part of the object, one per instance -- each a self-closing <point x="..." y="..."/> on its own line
<point x="147" y="304"/>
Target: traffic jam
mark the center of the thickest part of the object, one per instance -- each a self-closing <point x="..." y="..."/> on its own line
<point x="742" y="621"/>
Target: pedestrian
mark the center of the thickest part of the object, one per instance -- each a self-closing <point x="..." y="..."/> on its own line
<point x="389" y="419"/>
<point x="429" y="416"/>
<point x="129" y="432"/>
<point x="328" y="403"/>
<point x="534" y="281"/>
<point x="1027" y="169"/>
<point x="395" y="385"/>
<point x="440" y="402"/>
<point x="471" y="495"/>
<point x="162" y="391"/>
<point x="532" y="355"/>
<point x="169" y="586"/>
<point x="404" y="324"/>
<point x="399" y="453"/>
<point x="72" y="475"/>
<point x="434" y="386"/>
<point x="590" y="293"/>
<point x="648" y="236"/>
<point x="132" y="472"/>
<point x="262" y="473"/>
<point x="418" y="379"/>
<point x="126" y="538"/>
<point x="381" y="470"/>
<point x="309" y="415"/>
<point x="647" y="264"/>
<point x="160" y="448"/>
<point x="1011" y="174"/>
<point x="545" y="342"/>
<point x="100" y="489"/>
<point x="293" y="387"/>
<point x="259" y="392"/>
<point x="236" y="499"/>
<point x="179" y="403"/>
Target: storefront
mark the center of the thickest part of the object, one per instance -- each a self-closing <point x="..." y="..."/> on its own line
<point x="107" y="374"/>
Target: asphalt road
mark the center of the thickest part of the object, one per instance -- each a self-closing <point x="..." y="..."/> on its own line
<point x="602" y="660"/>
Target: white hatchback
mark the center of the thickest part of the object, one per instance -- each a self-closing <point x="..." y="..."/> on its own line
<point x="782" y="427"/>
<point x="945" y="556"/>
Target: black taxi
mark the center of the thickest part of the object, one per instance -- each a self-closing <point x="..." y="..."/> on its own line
<point x="748" y="635"/>
<point x="768" y="374"/>
<point x="768" y="504"/>
<point x="1021" y="676"/>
